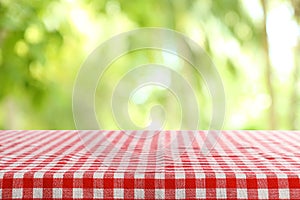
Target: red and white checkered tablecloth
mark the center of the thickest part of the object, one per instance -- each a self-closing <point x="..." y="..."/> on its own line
<point x="149" y="165"/>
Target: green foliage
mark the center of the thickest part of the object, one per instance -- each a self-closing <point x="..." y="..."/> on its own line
<point x="43" y="43"/>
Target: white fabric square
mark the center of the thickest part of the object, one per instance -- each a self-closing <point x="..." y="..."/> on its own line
<point x="57" y="192"/>
<point x="78" y="175"/>
<point x="139" y="175"/>
<point x="220" y="175"/>
<point x="98" y="193"/>
<point x="221" y="193"/>
<point x="261" y="176"/>
<point x="77" y="193"/>
<point x="37" y="192"/>
<point x="58" y="175"/>
<point x="38" y="175"/>
<point x="18" y="175"/>
<point x="201" y="193"/>
<point x="240" y="176"/>
<point x="118" y="193"/>
<point x="139" y="194"/>
<point x="180" y="194"/>
<point x="200" y="175"/>
<point x="179" y="175"/>
<point x="159" y="175"/>
<point x="17" y="193"/>
<point x="159" y="194"/>
<point x="242" y="193"/>
<point x="98" y="175"/>
<point x="284" y="193"/>
<point x="118" y="175"/>
<point x="283" y="176"/>
<point x="263" y="193"/>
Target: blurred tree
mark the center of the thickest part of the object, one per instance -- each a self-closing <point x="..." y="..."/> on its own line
<point x="43" y="43"/>
<point x="295" y="74"/>
<point x="268" y="70"/>
<point x="28" y="44"/>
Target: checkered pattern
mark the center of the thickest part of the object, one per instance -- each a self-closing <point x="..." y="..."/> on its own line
<point x="166" y="165"/>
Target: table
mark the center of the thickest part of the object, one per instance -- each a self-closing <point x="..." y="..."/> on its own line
<point x="149" y="165"/>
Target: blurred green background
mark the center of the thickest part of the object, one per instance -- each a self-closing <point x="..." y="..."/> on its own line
<point x="254" y="45"/>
